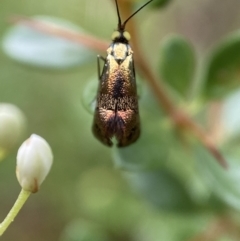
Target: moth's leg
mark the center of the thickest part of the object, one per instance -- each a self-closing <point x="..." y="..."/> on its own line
<point x="99" y="57"/>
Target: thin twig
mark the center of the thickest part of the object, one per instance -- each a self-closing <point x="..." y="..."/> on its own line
<point x="56" y="30"/>
<point x="179" y="117"/>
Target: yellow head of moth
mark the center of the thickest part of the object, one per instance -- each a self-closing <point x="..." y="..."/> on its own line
<point x="117" y="35"/>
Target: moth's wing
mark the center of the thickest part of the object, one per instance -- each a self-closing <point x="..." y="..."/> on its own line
<point x="132" y="122"/>
<point x="100" y="132"/>
<point x="99" y="127"/>
<point x="131" y="133"/>
<point x="133" y="70"/>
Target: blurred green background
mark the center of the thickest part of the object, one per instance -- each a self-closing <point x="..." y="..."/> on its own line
<point x="164" y="187"/>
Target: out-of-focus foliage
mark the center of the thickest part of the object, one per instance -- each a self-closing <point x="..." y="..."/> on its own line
<point x="160" y="3"/>
<point x="82" y="230"/>
<point x="224" y="184"/>
<point x="222" y="69"/>
<point x="12" y="126"/>
<point x="166" y="186"/>
<point x="33" y="47"/>
<point x="177" y="63"/>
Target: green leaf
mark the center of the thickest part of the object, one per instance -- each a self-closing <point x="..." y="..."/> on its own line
<point x="105" y="198"/>
<point x="82" y="230"/>
<point x="177" y="62"/>
<point x="161" y="188"/>
<point x="165" y="226"/>
<point x="222" y="70"/>
<point x="160" y="3"/>
<point x="230" y="116"/>
<point x="223" y="183"/>
<point x="89" y="94"/>
<point x="32" y="47"/>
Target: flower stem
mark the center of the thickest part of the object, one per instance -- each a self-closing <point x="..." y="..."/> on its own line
<point x="22" y="198"/>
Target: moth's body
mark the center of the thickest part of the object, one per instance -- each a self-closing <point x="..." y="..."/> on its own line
<point x="116" y="114"/>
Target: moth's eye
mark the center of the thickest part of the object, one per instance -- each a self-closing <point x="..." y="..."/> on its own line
<point x="116" y="34"/>
<point x="126" y="35"/>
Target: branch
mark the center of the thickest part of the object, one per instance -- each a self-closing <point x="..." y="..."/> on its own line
<point x="53" y="29"/>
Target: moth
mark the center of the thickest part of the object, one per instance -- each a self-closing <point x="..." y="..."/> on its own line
<point x="116" y="112"/>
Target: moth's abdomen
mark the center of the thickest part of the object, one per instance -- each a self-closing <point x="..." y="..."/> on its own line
<point x="117" y="118"/>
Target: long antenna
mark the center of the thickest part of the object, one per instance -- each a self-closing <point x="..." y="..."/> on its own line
<point x="119" y="18"/>
<point x="122" y="26"/>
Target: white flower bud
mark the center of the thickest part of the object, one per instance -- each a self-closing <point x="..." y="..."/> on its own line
<point x="12" y="125"/>
<point x="34" y="160"/>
